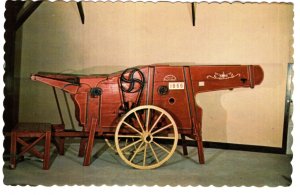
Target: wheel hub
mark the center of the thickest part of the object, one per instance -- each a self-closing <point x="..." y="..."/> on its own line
<point x="147" y="137"/>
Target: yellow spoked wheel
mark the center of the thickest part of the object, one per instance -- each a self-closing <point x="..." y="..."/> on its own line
<point x="151" y="136"/>
<point x="112" y="145"/>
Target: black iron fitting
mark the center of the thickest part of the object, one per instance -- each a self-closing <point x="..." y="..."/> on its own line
<point x="95" y="92"/>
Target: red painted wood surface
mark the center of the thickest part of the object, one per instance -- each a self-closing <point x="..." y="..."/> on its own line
<point x="181" y="83"/>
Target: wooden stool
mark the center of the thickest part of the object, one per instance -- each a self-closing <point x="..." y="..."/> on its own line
<point x="39" y="131"/>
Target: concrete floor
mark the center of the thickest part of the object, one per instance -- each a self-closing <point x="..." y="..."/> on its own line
<point x="223" y="167"/>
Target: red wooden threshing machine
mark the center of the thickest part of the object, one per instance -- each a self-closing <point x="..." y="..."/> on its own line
<point x="147" y="106"/>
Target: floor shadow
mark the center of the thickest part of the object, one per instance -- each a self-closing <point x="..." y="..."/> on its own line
<point x="213" y="157"/>
<point x="99" y="152"/>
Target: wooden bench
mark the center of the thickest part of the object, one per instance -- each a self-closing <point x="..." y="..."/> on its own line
<point x="35" y="131"/>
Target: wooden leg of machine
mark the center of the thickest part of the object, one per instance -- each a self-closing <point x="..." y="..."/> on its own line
<point x="184" y="147"/>
<point x="59" y="143"/>
<point x="90" y="143"/>
<point x="82" y="146"/>
<point x="198" y="137"/>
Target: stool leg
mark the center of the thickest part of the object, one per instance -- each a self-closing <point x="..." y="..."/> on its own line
<point x="184" y="147"/>
<point x="13" y="149"/>
<point x="47" y="150"/>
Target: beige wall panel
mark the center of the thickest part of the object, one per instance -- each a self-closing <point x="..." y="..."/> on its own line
<point x="119" y="35"/>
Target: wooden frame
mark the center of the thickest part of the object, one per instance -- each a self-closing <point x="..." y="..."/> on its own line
<point x="101" y="101"/>
<point x="40" y="131"/>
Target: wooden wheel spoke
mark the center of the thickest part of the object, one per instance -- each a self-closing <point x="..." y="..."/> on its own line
<point x="156" y="122"/>
<point x="136" y="151"/>
<point x="138" y="119"/>
<point x="132" y="144"/>
<point x="129" y="136"/>
<point x="147" y="120"/>
<point x="153" y="152"/>
<point x="132" y="128"/>
<point x="161" y="137"/>
<point x="161" y="147"/>
<point x="145" y="154"/>
<point x="163" y="128"/>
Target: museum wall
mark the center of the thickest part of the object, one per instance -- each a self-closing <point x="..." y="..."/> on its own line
<point x="120" y="35"/>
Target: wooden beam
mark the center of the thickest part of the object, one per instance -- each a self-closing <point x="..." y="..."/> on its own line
<point x="28" y="10"/>
<point x="19" y="5"/>
<point x="193" y="13"/>
<point x="80" y="9"/>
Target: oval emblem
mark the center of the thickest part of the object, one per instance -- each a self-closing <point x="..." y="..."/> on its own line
<point x="170" y="77"/>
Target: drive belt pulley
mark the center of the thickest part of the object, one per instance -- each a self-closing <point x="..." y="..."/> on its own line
<point x="132" y="80"/>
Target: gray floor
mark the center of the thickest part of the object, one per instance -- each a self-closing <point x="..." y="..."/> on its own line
<point x="223" y="167"/>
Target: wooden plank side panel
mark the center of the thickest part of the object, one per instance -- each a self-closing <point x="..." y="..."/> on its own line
<point x="168" y="73"/>
<point x="175" y="101"/>
<point x="211" y="78"/>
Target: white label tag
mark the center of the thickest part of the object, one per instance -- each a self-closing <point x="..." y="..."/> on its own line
<point x="176" y="85"/>
<point x="201" y="84"/>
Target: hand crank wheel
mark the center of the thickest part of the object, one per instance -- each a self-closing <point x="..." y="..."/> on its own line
<point x="153" y="137"/>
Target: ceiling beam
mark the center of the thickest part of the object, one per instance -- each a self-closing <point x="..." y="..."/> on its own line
<point x="193" y="14"/>
<point x="28" y="10"/>
<point x="80" y="9"/>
